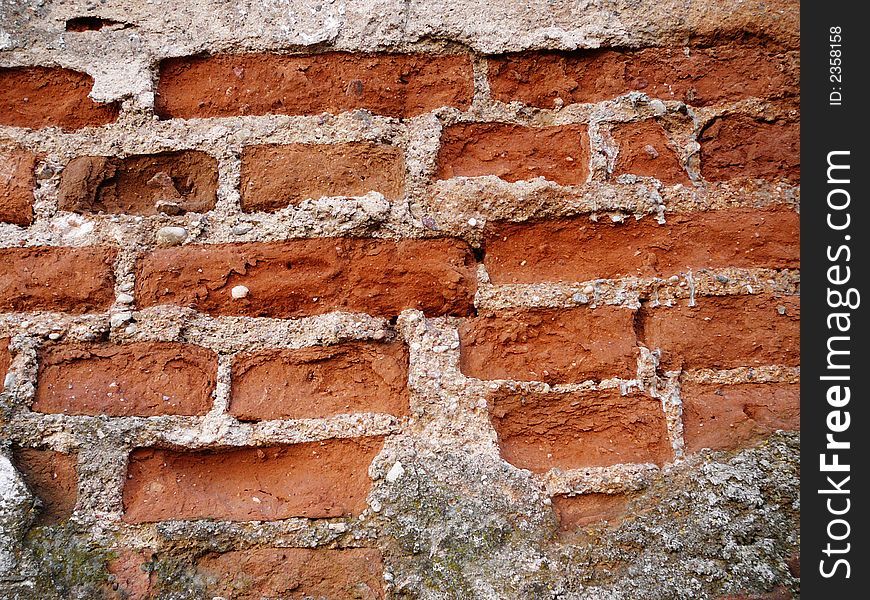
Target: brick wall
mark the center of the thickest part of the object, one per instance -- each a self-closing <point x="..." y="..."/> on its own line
<point x="252" y="312"/>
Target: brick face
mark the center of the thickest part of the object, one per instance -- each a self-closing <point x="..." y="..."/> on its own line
<point x="140" y="379"/>
<point x="697" y="76"/>
<point x="578" y="249"/>
<point x="293" y="573"/>
<point x="556" y="346"/>
<point x="170" y="182"/>
<point x="394" y="85"/>
<point x="313" y="276"/>
<point x="725" y="417"/>
<point x="515" y="153"/>
<point x="587" y="509"/>
<point x="277" y="176"/>
<point x="52" y="477"/>
<point x="36" y="97"/>
<point x="726" y="332"/>
<point x="317" y="479"/>
<point x="17" y="183"/>
<point x="538" y="431"/>
<point x="74" y="280"/>
<point x="740" y="146"/>
<point x="321" y="382"/>
<point x="644" y="150"/>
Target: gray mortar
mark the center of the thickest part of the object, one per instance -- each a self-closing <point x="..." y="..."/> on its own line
<point x="459" y="522"/>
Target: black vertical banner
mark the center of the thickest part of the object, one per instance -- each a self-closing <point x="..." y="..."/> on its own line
<point x="835" y="298"/>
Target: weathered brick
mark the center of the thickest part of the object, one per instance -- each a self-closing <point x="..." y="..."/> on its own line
<point x="169" y="182"/>
<point x="726" y="417"/>
<point x="644" y="150"/>
<point x="74" y="280"/>
<point x="553" y="345"/>
<point x="514" y="152"/>
<point x="317" y="479"/>
<point x="320" y="382"/>
<point x="539" y="431"/>
<point x="699" y="76"/>
<point x="293" y="573"/>
<point x="51" y="476"/>
<point x="726" y="332"/>
<point x="586" y="509"/>
<point x="578" y="249"/>
<point x="17" y="182"/>
<point x="741" y="146"/>
<point x="140" y="379"/>
<point x="277" y="176"/>
<point x="313" y="276"/>
<point x="395" y="85"/>
<point x="5" y="360"/>
<point x="37" y="97"/>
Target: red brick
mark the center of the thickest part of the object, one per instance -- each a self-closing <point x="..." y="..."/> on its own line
<point x="51" y="476"/>
<point x="538" y="431"/>
<point x="17" y="182"/>
<point x="313" y="276"/>
<point x="578" y="249"/>
<point x="293" y="573"/>
<point x="183" y="181"/>
<point x="37" y="97"/>
<point x="321" y="382"/>
<point x="514" y="152"/>
<point x="644" y="150"/>
<point x="706" y="76"/>
<point x="317" y="479"/>
<point x="395" y="85"/>
<point x="131" y="577"/>
<point x="554" y="345"/>
<point x="73" y="280"/>
<point x="726" y="417"/>
<point x="5" y="360"/>
<point x="586" y="509"/>
<point x="140" y="379"/>
<point x="726" y="332"/>
<point x="277" y="176"/>
<point x="741" y="146"/>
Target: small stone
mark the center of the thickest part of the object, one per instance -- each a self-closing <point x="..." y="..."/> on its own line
<point x="124" y="299"/>
<point x="126" y="287"/>
<point x="376" y="506"/>
<point x="780" y="310"/>
<point x="168" y="207"/>
<point x="588" y="290"/>
<point x="56" y="336"/>
<point x="239" y="292"/>
<point x="472" y="222"/>
<point x="120" y="318"/>
<point x="242" y="228"/>
<point x="722" y="279"/>
<point x="579" y="298"/>
<point x="130" y="329"/>
<point x="395" y="472"/>
<point x="171" y="236"/>
<point x="658" y="107"/>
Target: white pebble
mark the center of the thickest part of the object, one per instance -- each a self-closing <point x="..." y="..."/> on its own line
<point x="171" y="236"/>
<point x="239" y="292"/>
<point x="120" y="318"/>
<point x="242" y="228"/>
<point x="56" y="336"/>
<point x="472" y="222"/>
<point x="124" y="299"/>
<point x="395" y="472"/>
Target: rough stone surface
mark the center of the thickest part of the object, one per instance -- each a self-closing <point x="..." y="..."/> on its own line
<point x="142" y="379"/>
<point x="277" y="176"/>
<point x="321" y="382"/>
<point x="319" y="479"/>
<point x="739" y="146"/>
<point x="170" y="182"/>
